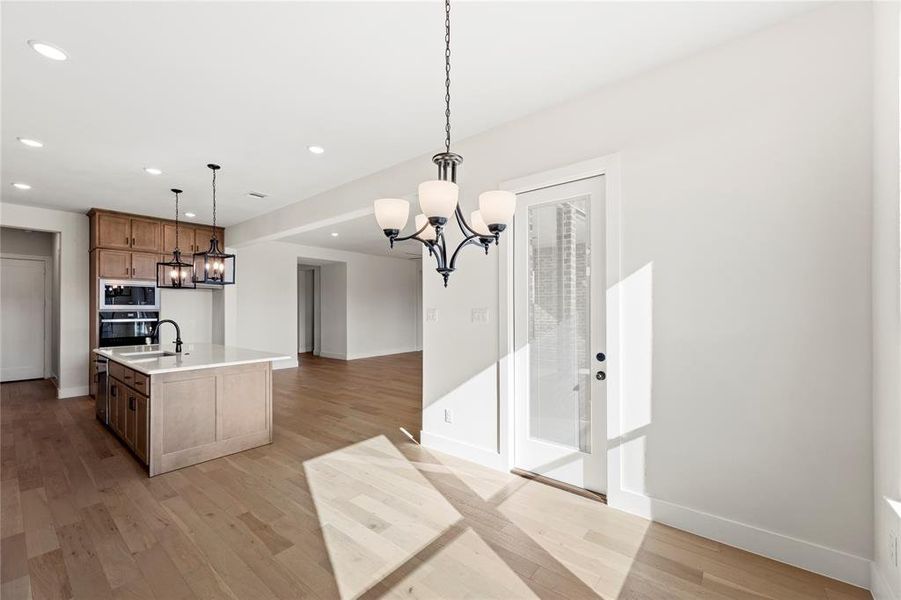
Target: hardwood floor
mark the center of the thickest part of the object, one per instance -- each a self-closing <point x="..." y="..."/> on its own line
<point x="342" y="504"/>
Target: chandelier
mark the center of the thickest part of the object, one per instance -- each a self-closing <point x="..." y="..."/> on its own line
<point x="438" y="199"/>
<point x="214" y="267"/>
<point x="175" y="273"/>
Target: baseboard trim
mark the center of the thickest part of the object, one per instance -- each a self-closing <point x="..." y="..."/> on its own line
<point x="287" y="363"/>
<point x="72" y="392"/>
<point x="879" y="586"/>
<point x="483" y="456"/>
<point x="806" y="555"/>
<point x="334" y="355"/>
<point x="381" y="353"/>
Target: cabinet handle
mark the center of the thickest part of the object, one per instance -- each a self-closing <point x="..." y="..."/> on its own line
<point x="131" y="403"/>
<point x="132" y="241"/>
<point x="126" y="240"/>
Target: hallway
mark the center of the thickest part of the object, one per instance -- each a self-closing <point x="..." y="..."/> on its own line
<point x="342" y="504"/>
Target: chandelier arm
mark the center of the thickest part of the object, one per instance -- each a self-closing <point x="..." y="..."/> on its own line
<point x="461" y="222"/>
<point x="412" y="236"/>
<point x="472" y="239"/>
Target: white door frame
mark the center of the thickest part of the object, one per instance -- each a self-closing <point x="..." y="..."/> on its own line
<point x="609" y="167"/>
<point x="48" y="305"/>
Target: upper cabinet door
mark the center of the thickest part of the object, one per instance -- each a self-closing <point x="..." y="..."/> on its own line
<point x="114" y="264"/>
<point x="143" y="266"/>
<point x="113" y="231"/>
<point x="146" y="235"/>
<point x="185" y="239"/>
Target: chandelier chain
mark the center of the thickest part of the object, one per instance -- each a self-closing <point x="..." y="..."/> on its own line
<point x="176" y="221"/>
<point x="214" y="203"/>
<point x="447" y="97"/>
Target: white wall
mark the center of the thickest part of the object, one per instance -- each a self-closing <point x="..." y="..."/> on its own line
<point x="73" y="314"/>
<point x="26" y="242"/>
<point x="746" y="180"/>
<point x="886" y="300"/>
<point x="333" y="315"/>
<point x="367" y="301"/>
<point x="194" y="312"/>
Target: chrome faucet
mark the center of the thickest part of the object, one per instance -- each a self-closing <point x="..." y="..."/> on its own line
<point x="155" y="333"/>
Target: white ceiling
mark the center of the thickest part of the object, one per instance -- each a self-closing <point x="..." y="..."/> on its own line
<point x="357" y="235"/>
<point x="250" y="85"/>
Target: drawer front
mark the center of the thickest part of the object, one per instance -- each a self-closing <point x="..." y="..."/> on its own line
<point x="122" y="373"/>
<point x="141" y="383"/>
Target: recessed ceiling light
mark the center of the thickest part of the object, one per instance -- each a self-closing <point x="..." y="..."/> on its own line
<point x="190" y="215"/>
<point x="334" y="234"/>
<point x="21" y="186"/>
<point x="31" y="143"/>
<point x="316" y="149"/>
<point x="153" y="170"/>
<point x="47" y="50"/>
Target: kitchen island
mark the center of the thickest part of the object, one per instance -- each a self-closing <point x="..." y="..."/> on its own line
<point x="175" y="410"/>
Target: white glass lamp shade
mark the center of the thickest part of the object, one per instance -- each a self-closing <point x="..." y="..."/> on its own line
<point x="392" y="213"/>
<point x="429" y="232"/>
<point x="497" y="207"/>
<point x="478" y="223"/>
<point x="438" y="198"/>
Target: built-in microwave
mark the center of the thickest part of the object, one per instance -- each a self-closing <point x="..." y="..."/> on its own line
<point x="128" y="294"/>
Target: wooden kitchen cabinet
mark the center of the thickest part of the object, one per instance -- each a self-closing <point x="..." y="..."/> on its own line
<point x="129" y="410"/>
<point x="113" y="264"/>
<point x="121" y="409"/>
<point x="113" y="408"/>
<point x="202" y="237"/>
<point x="143" y="266"/>
<point x="146" y="235"/>
<point x="185" y="240"/>
<point x="112" y="231"/>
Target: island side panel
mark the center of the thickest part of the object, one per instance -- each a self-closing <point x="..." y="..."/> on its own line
<point x="203" y="414"/>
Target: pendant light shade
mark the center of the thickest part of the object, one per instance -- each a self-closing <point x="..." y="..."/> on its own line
<point x="392" y="213"/>
<point x="497" y="207"/>
<point x="429" y="233"/>
<point x="478" y="224"/>
<point x="175" y="273"/>
<point x="438" y="200"/>
<point x="214" y="267"/>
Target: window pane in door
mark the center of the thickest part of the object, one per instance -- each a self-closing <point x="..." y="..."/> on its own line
<point x="559" y="328"/>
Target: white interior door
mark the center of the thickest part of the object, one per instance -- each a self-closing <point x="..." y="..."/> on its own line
<point x="559" y="329"/>
<point x="22" y="331"/>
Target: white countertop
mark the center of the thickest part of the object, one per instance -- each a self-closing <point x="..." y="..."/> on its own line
<point x="148" y="360"/>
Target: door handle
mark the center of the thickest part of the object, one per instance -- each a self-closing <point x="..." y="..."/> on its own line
<point x="600" y="376"/>
<point x="601" y="357"/>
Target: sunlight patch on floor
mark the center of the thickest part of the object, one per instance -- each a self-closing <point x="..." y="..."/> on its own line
<point x="602" y="554"/>
<point x="469" y="567"/>
<point x="376" y="510"/>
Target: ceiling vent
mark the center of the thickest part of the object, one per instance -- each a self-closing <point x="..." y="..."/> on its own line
<point x="259" y="195"/>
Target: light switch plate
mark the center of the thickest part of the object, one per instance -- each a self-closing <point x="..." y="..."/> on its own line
<point x="431" y="314"/>
<point x="448" y="415"/>
<point x="479" y="315"/>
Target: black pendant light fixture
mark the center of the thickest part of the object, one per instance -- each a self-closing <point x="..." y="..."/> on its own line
<point x="214" y="267"/>
<point x="175" y="273"/>
<point x="438" y="199"/>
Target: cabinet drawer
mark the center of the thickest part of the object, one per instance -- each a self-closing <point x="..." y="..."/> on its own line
<point x="123" y="373"/>
<point x="141" y="383"/>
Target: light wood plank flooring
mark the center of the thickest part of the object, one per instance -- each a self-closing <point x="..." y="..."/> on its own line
<point x="342" y="504"/>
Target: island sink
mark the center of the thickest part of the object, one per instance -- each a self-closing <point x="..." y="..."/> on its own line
<point x="174" y="410"/>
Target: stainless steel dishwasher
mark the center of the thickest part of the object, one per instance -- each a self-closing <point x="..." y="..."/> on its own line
<point x="101" y="397"/>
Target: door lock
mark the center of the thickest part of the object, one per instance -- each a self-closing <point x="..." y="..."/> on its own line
<point x="600" y="376"/>
<point x="601" y="357"/>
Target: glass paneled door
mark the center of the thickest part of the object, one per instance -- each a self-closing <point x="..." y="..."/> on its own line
<point x="559" y="333"/>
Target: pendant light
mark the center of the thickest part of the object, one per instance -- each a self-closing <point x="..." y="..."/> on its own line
<point x="439" y="198"/>
<point x="175" y="273"/>
<point x="214" y="267"/>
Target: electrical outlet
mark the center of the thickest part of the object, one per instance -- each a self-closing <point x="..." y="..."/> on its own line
<point x="431" y="314"/>
<point x="448" y="415"/>
<point x="893" y="548"/>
